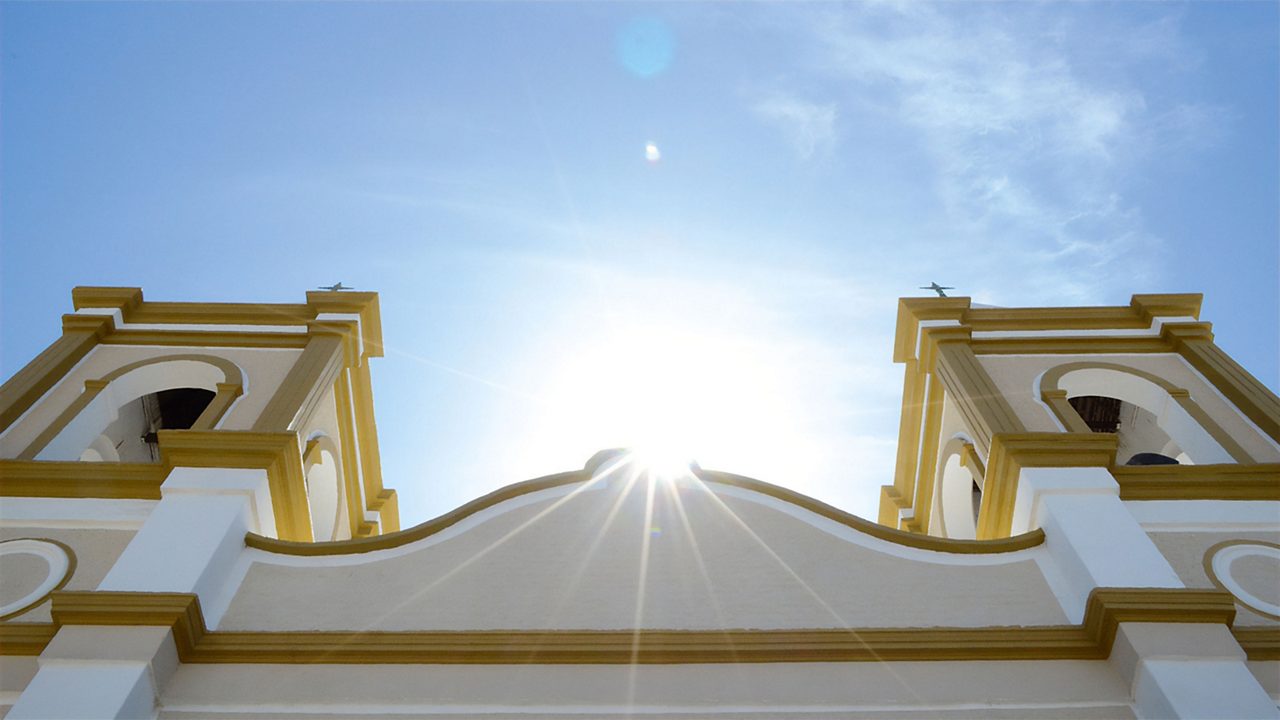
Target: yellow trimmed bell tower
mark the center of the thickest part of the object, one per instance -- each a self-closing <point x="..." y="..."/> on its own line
<point x="1141" y="390"/>
<point x="133" y="389"/>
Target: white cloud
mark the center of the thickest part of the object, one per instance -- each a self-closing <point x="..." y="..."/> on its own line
<point x="1032" y="138"/>
<point x="809" y="127"/>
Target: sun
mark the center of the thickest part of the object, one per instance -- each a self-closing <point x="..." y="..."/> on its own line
<point x="661" y="463"/>
<point x="673" y="396"/>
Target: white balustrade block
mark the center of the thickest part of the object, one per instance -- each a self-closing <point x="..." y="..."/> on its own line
<point x="99" y="672"/>
<point x="192" y="539"/>
<point x="1196" y="689"/>
<point x="1188" y="670"/>
<point x="1090" y="534"/>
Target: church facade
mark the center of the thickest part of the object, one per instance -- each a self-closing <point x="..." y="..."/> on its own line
<point x="1084" y="521"/>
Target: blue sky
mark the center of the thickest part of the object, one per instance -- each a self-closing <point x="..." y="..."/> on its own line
<point x="547" y="290"/>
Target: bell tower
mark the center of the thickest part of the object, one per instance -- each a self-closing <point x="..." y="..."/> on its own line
<point x="1139" y="390"/>
<point x="134" y="389"/>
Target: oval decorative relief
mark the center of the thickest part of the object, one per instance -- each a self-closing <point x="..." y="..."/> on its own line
<point x="1245" y="568"/>
<point x="35" y="567"/>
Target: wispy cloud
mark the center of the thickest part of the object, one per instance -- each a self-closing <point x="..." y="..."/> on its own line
<point x="809" y="127"/>
<point x="1033" y="143"/>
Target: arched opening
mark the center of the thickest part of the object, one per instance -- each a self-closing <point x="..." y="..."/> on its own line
<point x="961" y="499"/>
<point x="1154" y="420"/>
<point x="118" y="416"/>
<point x="133" y="434"/>
<point x="1141" y="439"/>
<point x="325" y="498"/>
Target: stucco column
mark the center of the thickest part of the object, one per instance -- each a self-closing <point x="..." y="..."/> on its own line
<point x="1188" y="670"/>
<point x="1092" y="537"/>
<point x="99" y="672"/>
<point x="193" y="537"/>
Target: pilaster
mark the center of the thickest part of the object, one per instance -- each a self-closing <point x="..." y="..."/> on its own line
<point x="99" y="672"/>
<point x="1188" y="670"/>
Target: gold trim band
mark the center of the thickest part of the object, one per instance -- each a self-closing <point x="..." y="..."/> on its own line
<point x="1198" y="482"/>
<point x="1106" y="609"/>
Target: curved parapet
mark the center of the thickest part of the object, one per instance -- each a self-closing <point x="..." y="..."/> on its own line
<point x="515" y="490"/>
<point x="611" y="547"/>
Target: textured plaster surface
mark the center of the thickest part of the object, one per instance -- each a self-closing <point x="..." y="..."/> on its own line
<point x="1185" y="551"/>
<point x="612" y="558"/>
<point x="96" y="551"/>
<point x="1040" y="689"/>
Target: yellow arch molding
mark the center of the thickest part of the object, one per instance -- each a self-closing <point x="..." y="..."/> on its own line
<point x="228" y="390"/>
<point x="1056" y="399"/>
<point x="431" y="527"/>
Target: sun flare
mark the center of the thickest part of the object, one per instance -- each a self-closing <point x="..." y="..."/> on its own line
<point x="673" y="396"/>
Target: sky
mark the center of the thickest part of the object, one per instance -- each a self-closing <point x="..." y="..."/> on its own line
<point x="603" y="225"/>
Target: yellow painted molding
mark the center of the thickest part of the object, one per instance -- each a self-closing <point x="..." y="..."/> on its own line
<point x="890" y="534"/>
<point x="970" y="460"/>
<point x="187" y="338"/>
<point x="1137" y="315"/>
<point x="929" y="440"/>
<point x="1106" y="608"/>
<point x="124" y="299"/>
<point x="351" y="468"/>
<point x="908" y="454"/>
<point x="431" y="527"/>
<point x="25" y="639"/>
<point x="135" y="309"/>
<point x="404" y="537"/>
<point x="1199" y="482"/>
<point x="1260" y="643"/>
<point x="223" y="399"/>
<point x="1167" y="305"/>
<point x="1056" y="399"/>
<point x="226" y="394"/>
<point x="191" y="313"/>
<point x="74" y="479"/>
<point x="980" y="402"/>
<point x="388" y="511"/>
<point x="79" y="336"/>
<point x="92" y="388"/>
<point x="364" y="304"/>
<point x="890" y="502"/>
<point x="932" y="337"/>
<point x="1077" y="345"/>
<point x="312" y="450"/>
<point x="366" y="433"/>
<point x="1012" y="452"/>
<point x="1093" y="639"/>
<point x="1195" y="344"/>
<point x="276" y="452"/>
<point x="912" y="311"/>
<point x="312" y="374"/>
<point x="177" y="611"/>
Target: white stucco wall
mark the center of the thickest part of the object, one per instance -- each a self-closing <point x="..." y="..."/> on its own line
<point x="1186" y="552"/>
<point x="1077" y="689"/>
<point x="95" y="551"/>
<point x="595" y="559"/>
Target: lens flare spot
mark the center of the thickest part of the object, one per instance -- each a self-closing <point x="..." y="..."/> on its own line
<point x="645" y="47"/>
<point x="651" y="153"/>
